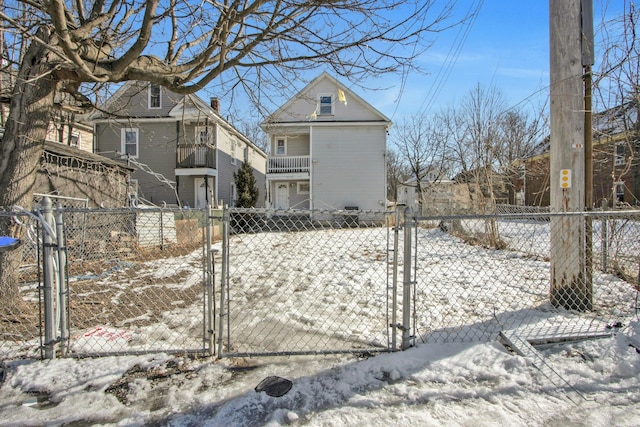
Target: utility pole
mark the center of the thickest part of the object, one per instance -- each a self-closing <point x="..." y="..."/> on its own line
<point x="569" y="287"/>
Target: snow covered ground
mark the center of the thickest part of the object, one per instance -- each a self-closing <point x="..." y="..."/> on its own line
<point x="458" y="384"/>
<point x="592" y="382"/>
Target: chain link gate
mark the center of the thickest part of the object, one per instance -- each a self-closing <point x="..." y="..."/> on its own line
<point x="306" y="282"/>
<point x="111" y="281"/>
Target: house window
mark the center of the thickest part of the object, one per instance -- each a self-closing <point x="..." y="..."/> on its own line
<point x="620" y="192"/>
<point x="74" y="139"/>
<point x="620" y="155"/>
<point x="326" y="104"/>
<point x="281" y="146"/>
<point x="154" y="96"/>
<point x="233" y="152"/>
<point x="303" y="187"/>
<point x="129" y="142"/>
<point x="204" y="135"/>
<point x="246" y="153"/>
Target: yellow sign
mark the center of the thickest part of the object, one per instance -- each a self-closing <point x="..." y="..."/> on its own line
<point x="565" y="178"/>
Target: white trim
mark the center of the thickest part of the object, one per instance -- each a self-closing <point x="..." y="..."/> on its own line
<point x="304" y="91"/>
<point x="300" y="184"/>
<point x="336" y="123"/>
<point x="196" y="172"/>
<point x="320" y="105"/>
<point x="277" y="139"/>
<point x="123" y="148"/>
<point x="234" y="148"/>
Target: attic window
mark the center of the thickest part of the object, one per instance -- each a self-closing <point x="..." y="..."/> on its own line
<point x="154" y="96"/>
<point x="326" y="105"/>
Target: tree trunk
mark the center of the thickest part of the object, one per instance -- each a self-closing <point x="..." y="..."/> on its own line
<point x="22" y="145"/>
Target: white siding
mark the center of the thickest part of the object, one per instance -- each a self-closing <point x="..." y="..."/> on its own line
<point x="348" y="166"/>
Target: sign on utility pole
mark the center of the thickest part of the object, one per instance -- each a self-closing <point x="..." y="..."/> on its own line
<point x="569" y="286"/>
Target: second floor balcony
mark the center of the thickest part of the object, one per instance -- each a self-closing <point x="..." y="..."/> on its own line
<point x="196" y="156"/>
<point x="288" y="164"/>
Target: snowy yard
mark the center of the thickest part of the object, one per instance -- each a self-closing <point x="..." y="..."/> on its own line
<point x="328" y="289"/>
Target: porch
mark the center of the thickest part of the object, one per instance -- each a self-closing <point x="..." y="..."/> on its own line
<point x="288" y="164"/>
<point x="195" y="156"/>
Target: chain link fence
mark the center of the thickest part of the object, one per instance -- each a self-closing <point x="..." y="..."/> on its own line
<point x="476" y="276"/>
<point x="120" y="281"/>
<point x="305" y="282"/>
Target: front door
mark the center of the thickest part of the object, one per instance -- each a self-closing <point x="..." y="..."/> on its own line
<point x="282" y="196"/>
<point x="204" y="192"/>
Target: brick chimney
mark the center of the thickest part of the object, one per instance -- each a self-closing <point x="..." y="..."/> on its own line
<point x="215" y="104"/>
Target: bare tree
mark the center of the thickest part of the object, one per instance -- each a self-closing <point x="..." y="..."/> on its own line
<point x="396" y="174"/>
<point x="520" y="135"/>
<point x="421" y="146"/>
<point x="476" y="142"/>
<point x="76" y="46"/>
<point x="617" y="96"/>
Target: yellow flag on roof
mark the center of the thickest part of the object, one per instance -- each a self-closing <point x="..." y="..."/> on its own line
<point x="341" y="97"/>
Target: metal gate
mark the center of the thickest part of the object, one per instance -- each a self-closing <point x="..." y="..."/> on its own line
<point x="306" y="282"/>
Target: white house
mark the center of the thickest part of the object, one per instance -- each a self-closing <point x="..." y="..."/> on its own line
<point x="328" y="149"/>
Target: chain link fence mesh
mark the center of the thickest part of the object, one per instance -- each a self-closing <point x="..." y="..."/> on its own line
<point x="136" y="283"/>
<point x="142" y="280"/>
<point x="21" y="312"/>
<point x="306" y="282"/>
<point x="476" y="276"/>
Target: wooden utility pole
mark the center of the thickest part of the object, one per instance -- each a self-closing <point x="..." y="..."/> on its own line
<point x="569" y="287"/>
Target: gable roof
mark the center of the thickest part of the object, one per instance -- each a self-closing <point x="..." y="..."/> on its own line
<point x="186" y="107"/>
<point x="283" y="113"/>
<point x="609" y="125"/>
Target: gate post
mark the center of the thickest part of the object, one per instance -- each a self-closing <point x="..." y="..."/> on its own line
<point x="394" y="289"/>
<point x="63" y="289"/>
<point x="223" y="275"/>
<point x="406" y="280"/>
<point x="604" y="236"/>
<point x="209" y="271"/>
<point x="48" y="279"/>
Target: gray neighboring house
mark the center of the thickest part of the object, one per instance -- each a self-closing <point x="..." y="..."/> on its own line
<point x="327" y="150"/>
<point x="182" y="150"/>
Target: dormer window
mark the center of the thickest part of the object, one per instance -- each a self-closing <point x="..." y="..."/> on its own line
<point x="154" y="96"/>
<point x="326" y="105"/>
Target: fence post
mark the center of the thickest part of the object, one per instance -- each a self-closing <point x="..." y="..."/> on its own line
<point x="223" y="275"/>
<point x="63" y="290"/>
<point x="209" y="274"/>
<point x="48" y="277"/>
<point x="604" y="236"/>
<point x="394" y="289"/>
<point x="406" y="280"/>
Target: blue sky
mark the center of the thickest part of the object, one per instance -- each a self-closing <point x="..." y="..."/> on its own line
<point x="506" y="46"/>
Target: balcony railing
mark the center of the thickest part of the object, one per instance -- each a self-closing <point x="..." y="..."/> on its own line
<point x="195" y="156"/>
<point x="288" y="164"/>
